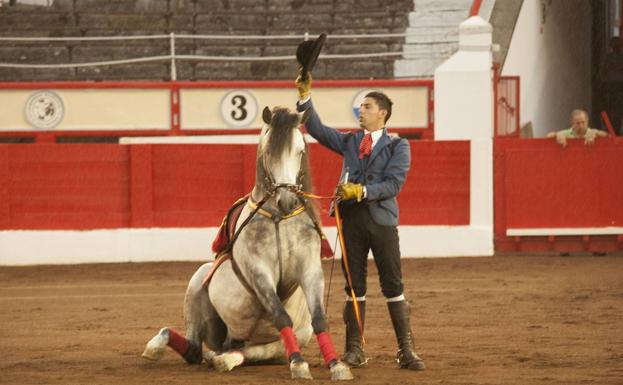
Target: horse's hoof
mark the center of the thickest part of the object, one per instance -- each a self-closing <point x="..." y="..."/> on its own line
<point x="227" y="361"/>
<point x="340" y="372"/>
<point x="300" y="370"/>
<point x="155" y="348"/>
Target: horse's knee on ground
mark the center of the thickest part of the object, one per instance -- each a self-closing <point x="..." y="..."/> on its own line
<point x="227" y="361"/>
<point x="263" y="352"/>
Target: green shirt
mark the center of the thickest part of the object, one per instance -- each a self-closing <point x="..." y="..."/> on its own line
<point x="569" y="133"/>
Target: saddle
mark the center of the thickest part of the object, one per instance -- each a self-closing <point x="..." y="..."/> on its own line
<point x="222" y="245"/>
<point x="228" y="226"/>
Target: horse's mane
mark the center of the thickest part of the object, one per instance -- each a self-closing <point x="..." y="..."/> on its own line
<point x="280" y="133"/>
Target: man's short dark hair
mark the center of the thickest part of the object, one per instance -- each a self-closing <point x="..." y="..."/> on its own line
<point x="382" y="101"/>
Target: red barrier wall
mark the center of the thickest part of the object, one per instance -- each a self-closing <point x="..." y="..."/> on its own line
<point x="538" y="184"/>
<point x="93" y="186"/>
<point x="64" y="186"/>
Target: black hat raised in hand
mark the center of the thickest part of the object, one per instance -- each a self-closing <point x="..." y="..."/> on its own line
<point x="307" y="53"/>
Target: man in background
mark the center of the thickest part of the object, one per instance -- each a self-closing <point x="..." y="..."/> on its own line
<point x="579" y="129"/>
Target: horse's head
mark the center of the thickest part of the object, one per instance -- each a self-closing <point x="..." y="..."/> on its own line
<point x="282" y="156"/>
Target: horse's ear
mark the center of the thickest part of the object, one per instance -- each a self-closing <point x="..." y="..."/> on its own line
<point x="267" y="115"/>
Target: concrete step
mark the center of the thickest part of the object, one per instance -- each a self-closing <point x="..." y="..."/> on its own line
<point x="121" y="6"/>
<point x="119" y="52"/>
<point x="239" y="6"/>
<point x="36" y="74"/>
<point x="40" y="31"/>
<point x="122" y="23"/>
<point x="301" y="20"/>
<point x="433" y="5"/>
<point x="373" y="5"/>
<point x="370" y="20"/>
<point x="304" y="7"/>
<point x="358" y="48"/>
<point x="231" y="22"/>
<point x="35" y="20"/>
<point x="416" y="68"/>
<point x="42" y="54"/>
<point x="432" y="35"/>
<point x="143" y="71"/>
<point x="431" y="51"/>
<point x="437" y="18"/>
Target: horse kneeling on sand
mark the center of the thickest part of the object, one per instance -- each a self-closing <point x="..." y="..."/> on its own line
<point x="264" y="301"/>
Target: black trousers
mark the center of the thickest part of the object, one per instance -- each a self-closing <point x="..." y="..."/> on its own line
<point x="361" y="235"/>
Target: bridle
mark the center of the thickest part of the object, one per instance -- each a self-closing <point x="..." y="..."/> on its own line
<point x="271" y="186"/>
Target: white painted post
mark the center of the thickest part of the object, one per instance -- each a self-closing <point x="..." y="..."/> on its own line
<point x="173" y="66"/>
<point x="464" y="111"/>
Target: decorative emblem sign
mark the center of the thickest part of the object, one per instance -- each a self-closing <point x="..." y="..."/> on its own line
<point x="239" y="108"/>
<point x="44" y="109"/>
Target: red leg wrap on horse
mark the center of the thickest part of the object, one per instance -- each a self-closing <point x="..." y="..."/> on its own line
<point x="326" y="347"/>
<point x="289" y="341"/>
<point x="177" y="342"/>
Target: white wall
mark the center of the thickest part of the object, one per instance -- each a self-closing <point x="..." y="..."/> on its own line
<point x="553" y="60"/>
<point x="49" y="247"/>
<point x="464" y="111"/>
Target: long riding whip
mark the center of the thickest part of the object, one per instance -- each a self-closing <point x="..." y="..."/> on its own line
<point x="338" y="223"/>
<point x="340" y="236"/>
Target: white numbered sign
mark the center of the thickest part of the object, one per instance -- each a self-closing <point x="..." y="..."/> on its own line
<point x="239" y="108"/>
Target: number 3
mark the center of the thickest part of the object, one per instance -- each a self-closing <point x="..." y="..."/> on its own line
<point x="239" y="113"/>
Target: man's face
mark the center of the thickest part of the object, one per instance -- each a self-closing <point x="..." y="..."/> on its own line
<point x="579" y="123"/>
<point x="370" y="116"/>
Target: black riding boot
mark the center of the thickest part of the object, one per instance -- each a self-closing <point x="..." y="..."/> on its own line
<point x="407" y="359"/>
<point x="353" y="351"/>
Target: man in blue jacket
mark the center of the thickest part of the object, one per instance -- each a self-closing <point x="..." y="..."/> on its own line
<point x="377" y="167"/>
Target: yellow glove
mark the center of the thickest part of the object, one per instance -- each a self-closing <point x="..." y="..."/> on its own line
<point x="348" y="191"/>
<point x="304" y="87"/>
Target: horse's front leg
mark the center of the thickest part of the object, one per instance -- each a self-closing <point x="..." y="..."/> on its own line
<point x="269" y="299"/>
<point x="313" y="287"/>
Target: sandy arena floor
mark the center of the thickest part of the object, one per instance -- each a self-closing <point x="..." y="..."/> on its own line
<point x="501" y="320"/>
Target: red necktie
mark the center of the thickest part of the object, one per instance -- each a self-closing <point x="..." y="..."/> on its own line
<point x="365" y="147"/>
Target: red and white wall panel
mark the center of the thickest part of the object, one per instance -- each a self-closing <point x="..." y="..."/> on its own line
<point x="552" y="199"/>
<point x="68" y="202"/>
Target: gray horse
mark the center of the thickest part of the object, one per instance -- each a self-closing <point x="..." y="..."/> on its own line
<point x="266" y="301"/>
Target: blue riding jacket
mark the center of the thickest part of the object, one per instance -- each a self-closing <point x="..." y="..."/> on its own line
<point x="383" y="173"/>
